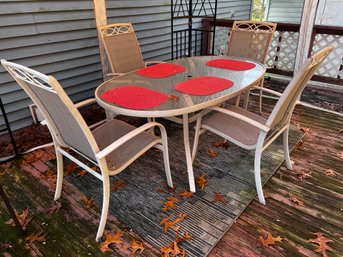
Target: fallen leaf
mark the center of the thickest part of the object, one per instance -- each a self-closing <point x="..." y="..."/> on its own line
<point x="201" y="182"/>
<point x="174" y="97"/>
<point x="40" y="237"/>
<point x="220" y="143"/>
<point x="111" y="239"/>
<point x="171" y="224"/>
<point x="330" y="173"/>
<point x="182" y="216"/>
<point x="165" y="252"/>
<point x="23" y="219"/>
<point x="295" y="200"/>
<point x="303" y="175"/>
<point x="270" y="240"/>
<point x="4" y="246"/>
<point x="170" y="203"/>
<point x="71" y="168"/>
<point x="305" y="130"/>
<point x="164" y="220"/>
<point x="117" y="185"/>
<point x="172" y="189"/>
<point x="137" y="246"/>
<point x="322" y="241"/>
<point x="213" y="153"/>
<point x="300" y="144"/>
<point x="81" y="173"/>
<point x="88" y="201"/>
<point x="187" y="194"/>
<point x="185" y="237"/>
<point x="54" y="209"/>
<point x="176" y="249"/>
<point x="183" y="253"/>
<point x="219" y="197"/>
<point x="340" y="155"/>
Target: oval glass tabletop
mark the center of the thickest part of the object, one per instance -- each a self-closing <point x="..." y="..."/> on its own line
<point x="182" y="103"/>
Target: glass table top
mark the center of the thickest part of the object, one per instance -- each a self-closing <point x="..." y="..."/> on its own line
<point x="181" y="103"/>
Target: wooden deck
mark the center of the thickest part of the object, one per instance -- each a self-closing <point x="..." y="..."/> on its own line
<point x="300" y="203"/>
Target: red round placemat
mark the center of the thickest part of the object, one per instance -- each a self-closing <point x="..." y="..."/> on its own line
<point x="204" y="85"/>
<point x="161" y="70"/>
<point x="231" y="64"/>
<point x="135" y="97"/>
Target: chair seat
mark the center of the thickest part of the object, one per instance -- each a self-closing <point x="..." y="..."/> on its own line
<point x="233" y="129"/>
<point x="127" y="152"/>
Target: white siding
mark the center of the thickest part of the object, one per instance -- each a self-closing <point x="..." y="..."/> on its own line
<point x="60" y="38"/>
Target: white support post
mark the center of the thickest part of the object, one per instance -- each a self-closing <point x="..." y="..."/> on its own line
<point x="305" y="33"/>
<point x="101" y="19"/>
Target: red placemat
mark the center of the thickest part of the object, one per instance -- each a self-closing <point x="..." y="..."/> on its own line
<point x="135" y="97"/>
<point x="161" y="70"/>
<point x="204" y="85"/>
<point x="231" y="64"/>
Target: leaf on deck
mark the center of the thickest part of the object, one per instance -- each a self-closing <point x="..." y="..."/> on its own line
<point x="81" y="173"/>
<point x="220" y="143"/>
<point x="322" y="241"/>
<point x="137" y="246"/>
<point x="201" y="182"/>
<point x="73" y="166"/>
<point x="219" y="197"/>
<point x="213" y="153"/>
<point x="40" y="237"/>
<point x="23" y="218"/>
<point x="270" y="240"/>
<point x="185" y="237"/>
<point x="117" y="185"/>
<point x="295" y="200"/>
<point x="54" y="209"/>
<point x="88" y="202"/>
<point x="111" y="239"/>
<point x="330" y="173"/>
<point x="187" y="194"/>
<point x="170" y="203"/>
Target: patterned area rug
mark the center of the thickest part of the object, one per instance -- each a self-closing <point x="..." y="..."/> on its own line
<point x="139" y="203"/>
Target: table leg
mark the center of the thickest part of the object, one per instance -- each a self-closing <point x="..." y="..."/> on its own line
<point x="188" y="152"/>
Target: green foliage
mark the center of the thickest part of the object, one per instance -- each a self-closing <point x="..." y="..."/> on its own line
<point x="258" y="10"/>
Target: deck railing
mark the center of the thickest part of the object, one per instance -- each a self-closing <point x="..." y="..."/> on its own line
<point x="282" y="53"/>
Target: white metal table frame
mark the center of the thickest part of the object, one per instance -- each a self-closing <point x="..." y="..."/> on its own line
<point x="186" y="104"/>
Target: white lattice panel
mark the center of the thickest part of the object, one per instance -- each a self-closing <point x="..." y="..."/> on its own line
<point x="332" y="64"/>
<point x="283" y="50"/>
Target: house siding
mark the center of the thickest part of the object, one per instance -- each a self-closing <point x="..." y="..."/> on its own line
<point x="285" y="11"/>
<point x="59" y="38"/>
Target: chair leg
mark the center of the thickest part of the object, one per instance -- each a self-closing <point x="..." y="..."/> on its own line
<point x="105" y="204"/>
<point x="196" y="138"/>
<point x="246" y="99"/>
<point x="257" y="167"/>
<point x="166" y="156"/>
<point x="237" y="100"/>
<point x="59" y="182"/>
<point x="261" y="95"/>
<point x="286" y="149"/>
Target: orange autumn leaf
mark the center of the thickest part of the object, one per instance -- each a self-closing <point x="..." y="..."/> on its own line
<point x="185" y="237"/>
<point x="137" y="246"/>
<point x="220" y="143"/>
<point x="270" y="240"/>
<point x="40" y="237"/>
<point x="322" y="241"/>
<point x="111" y="239"/>
<point x="165" y="251"/>
<point x="174" y="97"/>
<point x="71" y="168"/>
<point x="183" y="253"/>
<point x="330" y="173"/>
<point x="219" y="197"/>
<point x="176" y="249"/>
<point x="182" y="216"/>
<point x="117" y="185"/>
<point x="23" y="218"/>
<point x="88" y="201"/>
<point x="305" y="130"/>
<point x="295" y="200"/>
<point x="201" y="182"/>
<point x="302" y="175"/>
<point x="171" y="224"/>
<point x="164" y="220"/>
<point x="54" y="209"/>
<point x="170" y="203"/>
<point x="187" y="194"/>
<point x="172" y="189"/>
<point x="213" y="153"/>
<point x="81" y="173"/>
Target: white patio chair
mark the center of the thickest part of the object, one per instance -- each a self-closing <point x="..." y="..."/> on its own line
<point x="249" y="130"/>
<point x="112" y="146"/>
<point x="251" y="39"/>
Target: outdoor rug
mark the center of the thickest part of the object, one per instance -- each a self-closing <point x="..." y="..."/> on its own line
<point x="139" y="203"/>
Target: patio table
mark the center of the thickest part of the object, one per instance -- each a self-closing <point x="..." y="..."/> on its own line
<point x="180" y="103"/>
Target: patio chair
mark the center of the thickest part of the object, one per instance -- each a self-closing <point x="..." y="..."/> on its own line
<point x="111" y="147"/>
<point x="122" y="48"/>
<point x="251" y="131"/>
<point x="251" y="39"/>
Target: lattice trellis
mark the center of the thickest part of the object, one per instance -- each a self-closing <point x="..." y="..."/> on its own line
<point x="283" y="50"/>
<point x="333" y="65"/>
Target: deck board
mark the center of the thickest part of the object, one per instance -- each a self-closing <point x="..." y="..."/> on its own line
<point x="72" y="229"/>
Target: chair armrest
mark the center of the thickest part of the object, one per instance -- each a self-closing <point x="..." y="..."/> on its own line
<point x="114" y="74"/>
<point x="271" y="92"/>
<point x="153" y="62"/>
<point x="85" y="102"/>
<point x="106" y="151"/>
<point x="240" y="117"/>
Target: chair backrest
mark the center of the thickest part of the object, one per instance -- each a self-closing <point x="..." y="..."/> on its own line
<point x="251" y="39"/>
<point x="65" y="122"/>
<point x="283" y="109"/>
<point x="122" y="47"/>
